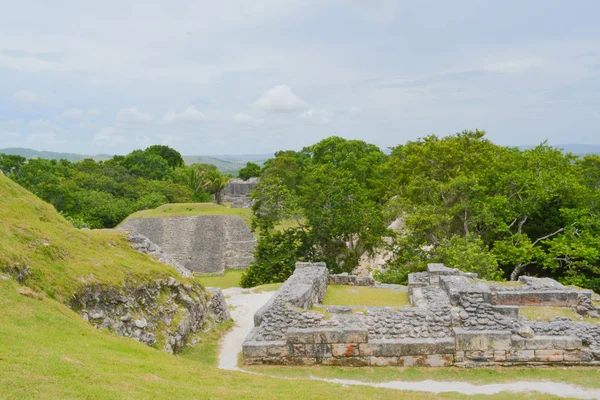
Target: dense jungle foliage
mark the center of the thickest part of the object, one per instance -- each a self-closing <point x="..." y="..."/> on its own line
<point x="461" y="200"/>
<point x="102" y="194"/>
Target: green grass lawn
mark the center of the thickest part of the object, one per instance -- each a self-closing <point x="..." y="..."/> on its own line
<point x="582" y="376"/>
<point x="231" y="278"/>
<point x="343" y="295"/>
<point x="534" y="313"/>
<point x="49" y="352"/>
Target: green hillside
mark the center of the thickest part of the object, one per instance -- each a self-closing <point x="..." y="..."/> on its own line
<point x="60" y="259"/>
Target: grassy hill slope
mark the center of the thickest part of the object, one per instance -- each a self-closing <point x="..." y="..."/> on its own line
<point x="48" y="352"/>
<point x="60" y="259"/>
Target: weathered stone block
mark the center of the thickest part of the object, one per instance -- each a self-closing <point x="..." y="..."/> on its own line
<point x="383" y="361"/>
<point x="480" y="356"/>
<point x="520" y="355"/>
<point x="346" y="361"/>
<point x="499" y="356"/>
<point x="345" y="349"/>
<point x="553" y="342"/>
<point x="549" y="355"/>
<point x="407" y="347"/>
<point x="575" y="356"/>
<point x="482" y="340"/>
<point x="509" y="311"/>
<point x="439" y="360"/>
<point x="318" y="350"/>
<point x="327" y="335"/>
<point x="554" y="298"/>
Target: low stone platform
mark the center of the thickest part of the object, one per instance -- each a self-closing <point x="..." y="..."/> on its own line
<point x="454" y="319"/>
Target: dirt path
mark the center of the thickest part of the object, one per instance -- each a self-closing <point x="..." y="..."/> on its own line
<point x="246" y="303"/>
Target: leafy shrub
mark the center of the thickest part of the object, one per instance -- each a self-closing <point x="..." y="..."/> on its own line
<point x="275" y="257"/>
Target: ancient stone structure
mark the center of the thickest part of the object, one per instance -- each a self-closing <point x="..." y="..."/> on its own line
<point x="238" y="192"/>
<point x="205" y="244"/>
<point x="165" y="313"/>
<point x="454" y="319"/>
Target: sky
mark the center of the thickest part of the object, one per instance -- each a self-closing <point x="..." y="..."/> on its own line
<point x="254" y="77"/>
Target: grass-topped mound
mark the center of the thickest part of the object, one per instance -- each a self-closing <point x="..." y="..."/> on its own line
<point x="191" y="209"/>
<point x="57" y="259"/>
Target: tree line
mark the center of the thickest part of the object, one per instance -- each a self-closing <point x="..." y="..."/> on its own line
<point x="102" y="194"/>
<point x="460" y="199"/>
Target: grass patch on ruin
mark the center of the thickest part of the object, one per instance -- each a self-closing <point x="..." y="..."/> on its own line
<point x="269" y="287"/>
<point x="62" y="259"/>
<point x="231" y="278"/>
<point x="534" y="313"/>
<point x="505" y="283"/>
<point x="588" y="377"/>
<point x="343" y="295"/>
<point x="191" y="209"/>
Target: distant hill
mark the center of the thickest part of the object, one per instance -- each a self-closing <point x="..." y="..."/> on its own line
<point x="51" y="155"/>
<point x="225" y="163"/>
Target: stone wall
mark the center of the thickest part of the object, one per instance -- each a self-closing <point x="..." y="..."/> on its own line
<point x="166" y="313"/>
<point x="206" y="244"/>
<point x="238" y="192"/>
<point x="454" y="320"/>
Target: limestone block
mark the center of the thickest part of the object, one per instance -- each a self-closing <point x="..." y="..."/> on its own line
<point x="346" y="361"/>
<point x="554" y="298"/>
<point x="576" y="356"/>
<point x="520" y="355"/>
<point x="255" y="349"/>
<point x="327" y="335"/>
<point x="553" y="343"/>
<point x="345" y="349"/>
<point x="499" y="356"/>
<point x="549" y="355"/>
<point x="482" y="340"/>
<point x="408" y="347"/>
<point x="480" y="356"/>
<point x="436" y="270"/>
<point x="439" y="360"/>
<point x="508" y="311"/>
<point x="383" y="361"/>
<point x="318" y="350"/>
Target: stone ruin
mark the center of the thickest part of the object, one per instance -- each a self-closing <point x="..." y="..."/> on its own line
<point x="238" y="192"/>
<point x="204" y="244"/>
<point x="454" y="319"/>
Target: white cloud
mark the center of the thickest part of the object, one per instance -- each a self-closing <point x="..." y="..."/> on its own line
<point x="26" y="96"/>
<point x="514" y="66"/>
<point x="280" y="99"/>
<point x="77" y="114"/>
<point x="43" y="125"/>
<point x="247" y="119"/>
<point x="108" y="137"/>
<point x="10" y="135"/>
<point x="42" y="137"/>
<point x="132" y="115"/>
<point x="355" y="110"/>
<point x="316" y="116"/>
<point x="189" y="115"/>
